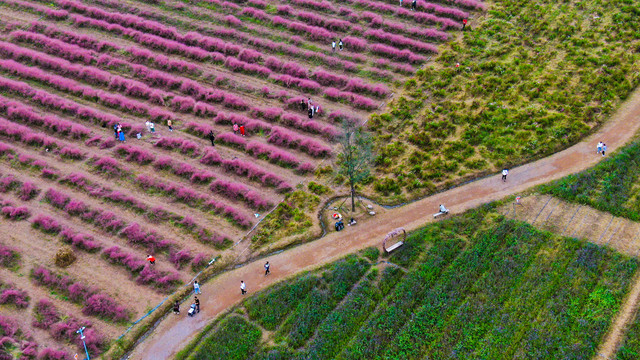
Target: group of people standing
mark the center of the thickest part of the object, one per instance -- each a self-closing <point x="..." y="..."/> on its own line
<point x="602" y="148"/>
<point x="238" y="129"/>
<point x="309" y="107"/>
<point x="194" y="308"/>
<point x="414" y="4"/>
<point x="118" y="133"/>
<point x="340" y="45"/>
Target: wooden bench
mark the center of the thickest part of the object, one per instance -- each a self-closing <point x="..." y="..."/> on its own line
<point x="394" y="246"/>
<point x="440" y="213"/>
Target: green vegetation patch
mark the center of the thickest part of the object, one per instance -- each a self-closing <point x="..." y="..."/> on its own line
<point x="291" y="217"/>
<point x="533" y="78"/>
<point x="234" y="339"/>
<point x="476" y="286"/>
<point x="630" y="348"/>
<point x="610" y="186"/>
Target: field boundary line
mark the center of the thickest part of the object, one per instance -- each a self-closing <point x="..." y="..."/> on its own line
<point x="541" y="210"/>
<point x="570" y="220"/>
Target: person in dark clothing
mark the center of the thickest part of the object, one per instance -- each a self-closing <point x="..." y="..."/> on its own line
<point x="310" y="113"/>
<point x="302" y="105"/>
<point x="266" y="269"/>
<point x="197" y="304"/>
<point x="176" y="308"/>
<point x="212" y="138"/>
<point x="414" y="5"/>
<point x="115" y="130"/>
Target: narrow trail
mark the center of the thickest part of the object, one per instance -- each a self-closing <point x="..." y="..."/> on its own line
<point x="222" y="292"/>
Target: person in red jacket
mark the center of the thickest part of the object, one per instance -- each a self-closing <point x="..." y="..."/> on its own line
<point x="242" y="130"/>
<point x="151" y="259"/>
<point x="464" y="23"/>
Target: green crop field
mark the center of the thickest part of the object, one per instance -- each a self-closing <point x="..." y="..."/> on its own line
<point x="476" y="286"/>
<point x="534" y="76"/>
<point x="610" y="186"/>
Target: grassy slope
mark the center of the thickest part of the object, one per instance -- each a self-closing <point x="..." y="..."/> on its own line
<point x="610" y="186"/>
<point x="534" y="77"/>
<point x="477" y="286"/>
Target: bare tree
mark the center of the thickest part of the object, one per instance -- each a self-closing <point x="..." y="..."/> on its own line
<point x="355" y="157"/>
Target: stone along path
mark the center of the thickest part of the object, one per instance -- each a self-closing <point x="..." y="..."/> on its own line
<point x="222" y="292"/>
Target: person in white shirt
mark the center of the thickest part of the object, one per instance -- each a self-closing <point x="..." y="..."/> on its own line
<point x="505" y="172"/>
<point x="243" y="287"/>
<point x="599" y="148"/>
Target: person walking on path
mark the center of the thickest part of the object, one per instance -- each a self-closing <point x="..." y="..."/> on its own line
<point x="333" y="46"/>
<point x="340" y="44"/>
<point x="151" y="259"/>
<point x="170" y="125"/>
<point x="604" y="149"/>
<point x="414" y="5"/>
<point x="505" y="172"/>
<point x="266" y="269"/>
<point x="599" y="148"/>
<point x="243" y="287"/>
<point x="401" y="3"/>
<point x="242" y="130"/>
<point x="196" y="287"/>
<point x="464" y="24"/>
<point x="176" y="308"/>
<point x="197" y="304"/>
<point x="212" y="138"/>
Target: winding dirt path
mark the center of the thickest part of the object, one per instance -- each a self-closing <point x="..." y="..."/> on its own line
<point x="222" y="292"/>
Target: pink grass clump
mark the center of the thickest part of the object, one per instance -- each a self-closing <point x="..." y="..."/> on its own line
<point x="15" y="213"/>
<point x="149" y="240"/>
<point x="72" y="153"/>
<point x="202" y="177"/>
<point x="80" y="241"/>
<point x="8" y="256"/>
<point x="180" y="258"/>
<point x="135" y="154"/>
<point x="53" y="354"/>
<point x="109" y="166"/>
<point x="28" y="191"/>
<point x="103" y="306"/>
<point x="46" y="224"/>
<point x="12" y="295"/>
<point x="211" y="158"/>
<point x="8" y="183"/>
<point x="117" y="256"/>
<point x="46" y="314"/>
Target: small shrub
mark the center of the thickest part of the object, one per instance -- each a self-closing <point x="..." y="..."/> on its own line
<point x="64" y="257"/>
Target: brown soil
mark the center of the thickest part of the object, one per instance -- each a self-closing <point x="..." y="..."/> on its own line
<point x="223" y="291"/>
